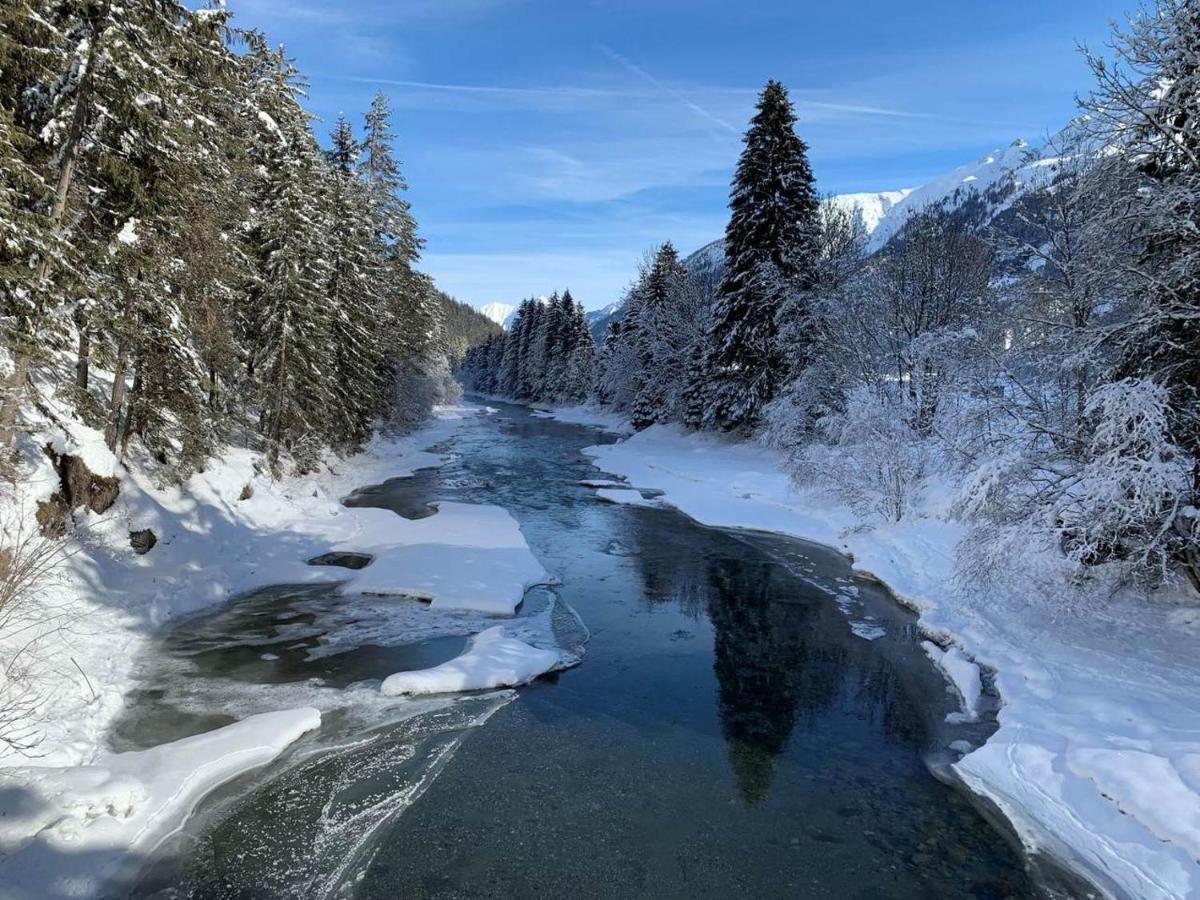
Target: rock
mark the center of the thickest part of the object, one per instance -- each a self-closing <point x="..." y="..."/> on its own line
<point x="142" y="541"/>
<point x="247" y="492"/>
<point x="344" y="559"/>
<point x="80" y="486"/>
<point x="52" y="516"/>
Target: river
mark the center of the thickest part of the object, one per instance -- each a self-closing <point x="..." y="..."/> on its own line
<point x="748" y="720"/>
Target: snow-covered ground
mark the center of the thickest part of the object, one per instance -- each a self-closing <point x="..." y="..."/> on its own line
<point x="1097" y="755"/>
<point x="226" y="530"/>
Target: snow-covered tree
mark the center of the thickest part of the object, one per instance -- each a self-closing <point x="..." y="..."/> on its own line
<point x="772" y="247"/>
<point x="1148" y="102"/>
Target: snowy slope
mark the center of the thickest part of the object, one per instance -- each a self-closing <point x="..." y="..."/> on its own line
<point x="499" y="313"/>
<point x="995" y="179"/>
<point x="872" y="207"/>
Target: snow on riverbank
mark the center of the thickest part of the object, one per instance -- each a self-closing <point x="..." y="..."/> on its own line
<point x="1097" y="755"/>
<point x="73" y="827"/>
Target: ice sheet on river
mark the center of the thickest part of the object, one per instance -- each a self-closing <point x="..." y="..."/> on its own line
<point x="468" y="557"/>
<point x="74" y="825"/>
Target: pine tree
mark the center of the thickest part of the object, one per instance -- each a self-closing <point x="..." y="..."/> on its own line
<point x="354" y="301"/>
<point x="657" y="292"/>
<point x="508" y="376"/>
<point x="528" y="358"/>
<point x="289" y="329"/>
<point x="579" y="353"/>
<point x="378" y="166"/>
<point x="772" y="245"/>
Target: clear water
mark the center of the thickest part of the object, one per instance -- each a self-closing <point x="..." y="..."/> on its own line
<point x="728" y="733"/>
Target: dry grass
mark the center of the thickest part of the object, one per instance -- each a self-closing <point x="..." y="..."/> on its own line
<point x="28" y="562"/>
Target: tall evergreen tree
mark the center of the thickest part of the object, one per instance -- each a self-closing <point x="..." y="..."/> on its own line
<point x="772" y="245"/>
<point x="658" y="289"/>
<point x="353" y="292"/>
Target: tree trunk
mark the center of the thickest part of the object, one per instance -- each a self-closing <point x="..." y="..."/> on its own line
<point x="131" y="415"/>
<point x="83" y="357"/>
<point x="117" y="401"/>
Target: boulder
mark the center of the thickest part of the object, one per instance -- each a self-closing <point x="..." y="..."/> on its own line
<point x="142" y="541"/>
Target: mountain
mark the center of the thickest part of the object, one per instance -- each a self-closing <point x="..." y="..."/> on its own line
<point x="982" y="192"/>
<point x="499" y="313"/>
<point x="872" y="208"/>
<point x="465" y="326"/>
<point x="598" y="319"/>
<point x="983" y="189"/>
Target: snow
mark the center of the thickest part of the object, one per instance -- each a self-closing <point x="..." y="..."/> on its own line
<point x="626" y="496"/>
<point x="88" y="444"/>
<point x="1096" y="759"/>
<point x="67" y="831"/>
<point x="954" y="187"/>
<point x="128" y="234"/>
<point x="469" y="557"/>
<point x="871" y="207"/>
<point x="492" y="660"/>
<point x="498" y="312"/>
<point x="106" y="603"/>
<point x="962" y="674"/>
<point x="593" y="416"/>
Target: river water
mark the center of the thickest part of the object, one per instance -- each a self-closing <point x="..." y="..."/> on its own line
<point x="748" y="720"/>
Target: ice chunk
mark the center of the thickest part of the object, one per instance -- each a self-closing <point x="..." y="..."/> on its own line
<point x="493" y="660"/>
<point x="962" y="674"/>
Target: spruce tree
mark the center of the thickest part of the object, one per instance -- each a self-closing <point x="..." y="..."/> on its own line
<point x="289" y="327"/>
<point x="772" y="245"/>
<point x="354" y="301"/>
<point x="657" y="291"/>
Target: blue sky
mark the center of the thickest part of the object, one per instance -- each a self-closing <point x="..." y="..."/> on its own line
<point x="548" y="143"/>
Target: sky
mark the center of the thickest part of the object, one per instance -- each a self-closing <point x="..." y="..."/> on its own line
<point x="550" y="143"/>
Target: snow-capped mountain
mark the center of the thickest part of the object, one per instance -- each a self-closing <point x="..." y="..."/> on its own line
<point x="993" y="181"/>
<point x="982" y="190"/>
<point x="499" y="313"/>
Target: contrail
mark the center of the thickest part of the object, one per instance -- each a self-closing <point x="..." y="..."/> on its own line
<point x="666" y="89"/>
<point x="563" y="91"/>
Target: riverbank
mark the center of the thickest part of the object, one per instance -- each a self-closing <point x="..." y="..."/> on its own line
<point x="1097" y="758"/>
<point x="71" y="812"/>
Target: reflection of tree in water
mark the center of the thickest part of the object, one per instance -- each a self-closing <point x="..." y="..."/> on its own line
<point x="671" y="561"/>
<point x="781" y="653"/>
<point x="772" y="665"/>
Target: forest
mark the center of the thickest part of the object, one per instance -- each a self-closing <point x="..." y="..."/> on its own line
<point x="183" y="261"/>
